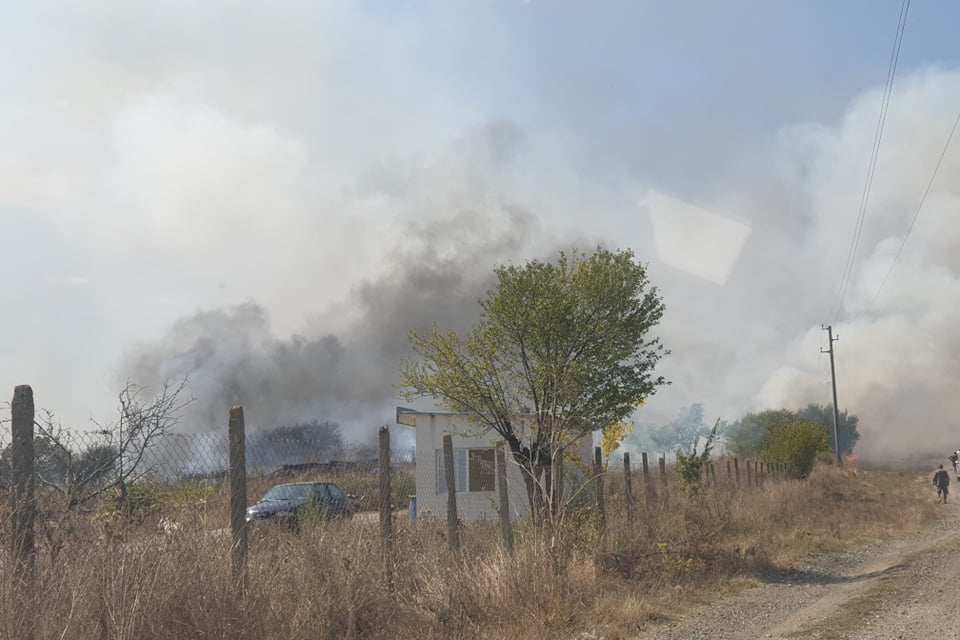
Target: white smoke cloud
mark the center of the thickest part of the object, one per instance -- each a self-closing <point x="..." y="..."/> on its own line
<point x="895" y="361"/>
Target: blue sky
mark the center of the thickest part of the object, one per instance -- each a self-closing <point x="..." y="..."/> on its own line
<point x="162" y="163"/>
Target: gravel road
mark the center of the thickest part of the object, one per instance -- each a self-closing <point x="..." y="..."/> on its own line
<point x="904" y="589"/>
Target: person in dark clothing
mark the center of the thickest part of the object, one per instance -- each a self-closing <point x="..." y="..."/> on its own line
<point x="941" y="480"/>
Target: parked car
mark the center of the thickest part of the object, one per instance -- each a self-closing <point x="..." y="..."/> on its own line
<point x="288" y="503"/>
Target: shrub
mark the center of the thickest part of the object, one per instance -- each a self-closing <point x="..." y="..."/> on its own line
<point x="796" y="445"/>
<point x="691" y="466"/>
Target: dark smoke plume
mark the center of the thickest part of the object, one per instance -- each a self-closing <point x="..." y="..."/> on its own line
<point x="436" y="275"/>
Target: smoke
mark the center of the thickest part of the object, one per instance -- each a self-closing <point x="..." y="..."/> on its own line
<point x="897" y="362"/>
<point x="342" y="367"/>
<point x="270" y="199"/>
<point x="750" y="343"/>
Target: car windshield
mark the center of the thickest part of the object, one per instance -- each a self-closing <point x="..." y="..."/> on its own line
<point x="287" y="492"/>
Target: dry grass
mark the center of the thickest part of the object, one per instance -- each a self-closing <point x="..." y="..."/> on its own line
<point x="328" y="582"/>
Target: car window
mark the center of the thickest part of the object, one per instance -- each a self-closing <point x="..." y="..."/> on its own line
<point x="320" y="492"/>
<point x="286" y="492"/>
<point x="335" y="492"/>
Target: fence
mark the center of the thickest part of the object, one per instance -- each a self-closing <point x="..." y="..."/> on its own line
<point x="50" y="474"/>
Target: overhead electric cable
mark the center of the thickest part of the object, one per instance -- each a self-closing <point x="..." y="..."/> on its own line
<point x="872" y="165"/>
<point x="916" y="214"/>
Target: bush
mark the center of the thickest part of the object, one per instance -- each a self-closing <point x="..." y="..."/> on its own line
<point x="796" y="445"/>
<point x="692" y="466"/>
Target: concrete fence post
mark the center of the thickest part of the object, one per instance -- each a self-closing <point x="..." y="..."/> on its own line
<point x="647" y="485"/>
<point x="386" y="504"/>
<point x="22" y="514"/>
<point x="506" y="528"/>
<point x="453" y="530"/>
<point x="238" y="496"/>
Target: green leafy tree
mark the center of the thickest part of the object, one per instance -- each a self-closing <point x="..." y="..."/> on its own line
<point x="561" y="349"/>
<point x="796" y="444"/>
<point x="846" y="427"/>
<point x="748" y="435"/>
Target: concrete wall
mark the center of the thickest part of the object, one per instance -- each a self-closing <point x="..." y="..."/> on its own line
<point x="430" y="429"/>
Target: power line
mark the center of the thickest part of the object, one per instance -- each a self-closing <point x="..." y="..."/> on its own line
<point x="916" y="214"/>
<point x="872" y="164"/>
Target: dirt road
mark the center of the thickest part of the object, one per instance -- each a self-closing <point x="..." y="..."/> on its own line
<point x="905" y="589"/>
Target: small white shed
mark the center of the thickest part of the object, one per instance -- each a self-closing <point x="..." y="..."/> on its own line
<point x="474" y="466"/>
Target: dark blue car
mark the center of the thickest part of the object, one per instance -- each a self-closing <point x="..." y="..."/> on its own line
<point x="288" y="503"/>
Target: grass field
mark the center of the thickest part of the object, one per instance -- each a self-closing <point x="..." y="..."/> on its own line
<point x="104" y="576"/>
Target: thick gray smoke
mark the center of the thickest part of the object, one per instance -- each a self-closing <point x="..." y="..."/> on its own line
<point x="343" y="365"/>
<point x="748" y="340"/>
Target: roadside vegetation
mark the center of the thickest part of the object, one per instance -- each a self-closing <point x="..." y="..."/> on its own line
<point x="562" y="349"/>
<point x="328" y="582"/>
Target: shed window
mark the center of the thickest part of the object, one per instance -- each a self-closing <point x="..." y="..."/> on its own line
<point x="473" y="470"/>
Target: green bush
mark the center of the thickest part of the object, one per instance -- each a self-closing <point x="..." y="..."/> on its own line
<point x="796" y="445"/>
<point x="692" y="466"/>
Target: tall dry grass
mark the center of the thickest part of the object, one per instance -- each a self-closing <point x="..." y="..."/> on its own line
<point x="328" y="582"/>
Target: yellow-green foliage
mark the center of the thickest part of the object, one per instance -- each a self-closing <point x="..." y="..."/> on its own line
<point x="796" y="444"/>
<point x="612" y="436"/>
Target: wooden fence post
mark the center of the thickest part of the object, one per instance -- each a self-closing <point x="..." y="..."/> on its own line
<point x="238" y="497"/>
<point x="22" y="514"/>
<point x="749" y="474"/>
<point x="729" y="472"/>
<point x="736" y="472"/>
<point x="453" y="531"/>
<point x="386" y="507"/>
<point x="647" y="485"/>
<point x="601" y="506"/>
<point x="713" y="474"/>
<point x="506" y="528"/>
<point x="628" y="487"/>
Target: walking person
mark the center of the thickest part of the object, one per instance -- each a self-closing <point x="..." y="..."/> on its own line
<point x="941" y="480"/>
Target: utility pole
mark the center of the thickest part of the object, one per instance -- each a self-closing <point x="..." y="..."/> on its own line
<point x="833" y="380"/>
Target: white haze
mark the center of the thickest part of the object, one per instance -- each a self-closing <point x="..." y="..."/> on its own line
<point x="273" y="211"/>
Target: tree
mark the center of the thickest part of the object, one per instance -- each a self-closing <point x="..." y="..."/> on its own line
<point x="747" y="435"/>
<point x="561" y="349"/>
<point x="62" y="460"/>
<point x="687" y="427"/>
<point x="846" y="427"/>
<point x="82" y="473"/>
<point x="796" y="444"/>
<point x="301" y="442"/>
